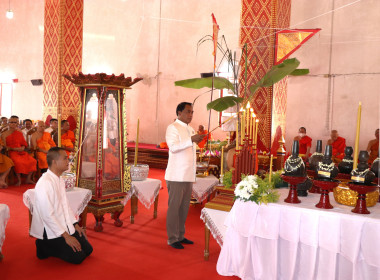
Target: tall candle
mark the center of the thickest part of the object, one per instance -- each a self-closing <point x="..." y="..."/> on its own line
<point x="356" y="150"/>
<point x="242" y="127"/>
<point x="237" y="133"/>
<point x="248" y="117"/>
<point x="59" y="131"/>
<point x="253" y="125"/>
<point x="270" y="168"/>
<point x="221" y="162"/>
<point x="137" y="141"/>
<point x="256" y="127"/>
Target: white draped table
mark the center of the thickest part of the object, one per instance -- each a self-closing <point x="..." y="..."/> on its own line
<point x="4" y="217"/>
<point x="203" y="187"/>
<point x="77" y="198"/>
<point x="300" y="241"/>
<point x="147" y="191"/>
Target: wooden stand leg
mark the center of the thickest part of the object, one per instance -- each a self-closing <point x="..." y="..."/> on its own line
<point x="207" y="243"/>
<point x="99" y="220"/>
<point x="116" y="216"/>
<point x="133" y="208"/>
<point x="155" y="207"/>
<point x="83" y="219"/>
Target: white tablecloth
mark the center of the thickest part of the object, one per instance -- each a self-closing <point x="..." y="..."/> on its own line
<point x="146" y="191"/>
<point x="214" y="220"/>
<point x="4" y="217"/>
<point x="77" y="198"/>
<point x="203" y="187"/>
<point x="300" y="241"/>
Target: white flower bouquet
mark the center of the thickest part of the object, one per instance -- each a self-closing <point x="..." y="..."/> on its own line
<point x="253" y="188"/>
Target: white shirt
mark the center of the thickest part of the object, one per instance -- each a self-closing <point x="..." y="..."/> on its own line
<point x="49" y="129"/>
<point x="26" y="136"/>
<point x="50" y="209"/>
<point x="182" y="153"/>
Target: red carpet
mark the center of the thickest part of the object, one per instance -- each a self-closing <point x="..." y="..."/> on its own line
<point x="134" y="251"/>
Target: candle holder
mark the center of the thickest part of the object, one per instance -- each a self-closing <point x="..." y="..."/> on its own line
<point x="293" y="181"/>
<point x="361" y="204"/>
<point x="325" y="187"/>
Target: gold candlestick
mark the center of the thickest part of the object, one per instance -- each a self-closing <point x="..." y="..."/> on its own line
<point x="221" y="163"/>
<point x="59" y="131"/>
<point x="137" y="141"/>
<point x="356" y="150"/>
<point x="270" y="168"/>
<point x="237" y="133"/>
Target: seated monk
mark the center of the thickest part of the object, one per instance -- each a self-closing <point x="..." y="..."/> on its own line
<point x="5" y="166"/>
<point x="111" y="162"/>
<point x="42" y="142"/>
<point x="373" y="147"/>
<point x="67" y="137"/>
<point x="15" y="143"/>
<point x="304" y="142"/>
<point x="202" y="131"/>
<point x="338" y="145"/>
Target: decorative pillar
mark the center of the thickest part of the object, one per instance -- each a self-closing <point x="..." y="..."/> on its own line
<point x="260" y="19"/>
<point x="63" y="41"/>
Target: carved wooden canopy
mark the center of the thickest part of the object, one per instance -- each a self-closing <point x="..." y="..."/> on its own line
<point x="102" y="79"/>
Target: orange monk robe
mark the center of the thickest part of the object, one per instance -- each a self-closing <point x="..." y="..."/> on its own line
<point x="5" y="162"/>
<point x="202" y="143"/>
<point x="68" y="140"/>
<point x="23" y="162"/>
<point x="111" y="162"/>
<point x="338" y="147"/>
<point x="45" y="143"/>
<point x="373" y="151"/>
<point x="304" y="143"/>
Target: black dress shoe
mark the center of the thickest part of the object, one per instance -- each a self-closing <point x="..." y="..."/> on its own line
<point x="186" y="241"/>
<point x="177" y="245"/>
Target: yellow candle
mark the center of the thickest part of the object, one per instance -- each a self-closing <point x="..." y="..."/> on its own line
<point x="221" y="162"/>
<point x="253" y="125"/>
<point x="248" y="117"/>
<point x="137" y="141"/>
<point x="270" y="168"/>
<point x="242" y="127"/>
<point x="237" y="133"/>
<point x="356" y="150"/>
<point x="255" y="141"/>
<point x="59" y="131"/>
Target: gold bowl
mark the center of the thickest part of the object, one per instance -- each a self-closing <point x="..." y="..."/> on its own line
<point x="344" y="195"/>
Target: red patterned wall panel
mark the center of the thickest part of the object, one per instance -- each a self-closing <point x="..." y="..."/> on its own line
<point x="259" y="20"/>
<point x="63" y="41"/>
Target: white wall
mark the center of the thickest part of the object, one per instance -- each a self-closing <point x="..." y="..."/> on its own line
<point x="21" y="55"/>
<point x="346" y="48"/>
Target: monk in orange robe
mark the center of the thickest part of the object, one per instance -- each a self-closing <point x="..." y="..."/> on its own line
<point x="202" y="131"/>
<point x="5" y="166"/>
<point x="16" y="144"/>
<point x="42" y="142"/>
<point x="111" y="162"/>
<point x="305" y="143"/>
<point x="373" y="147"/>
<point x="338" y="145"/>
<point x="67" y="137"/>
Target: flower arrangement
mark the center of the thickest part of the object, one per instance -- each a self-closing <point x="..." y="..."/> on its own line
<point x="253" y="188"/>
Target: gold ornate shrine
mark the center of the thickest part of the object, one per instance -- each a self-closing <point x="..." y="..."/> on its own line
<point x="101" y="162"/>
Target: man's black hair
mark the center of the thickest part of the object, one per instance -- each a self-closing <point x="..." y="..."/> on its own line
<point x="53" y="154"/>
<point x="27" y="120"/>
<point x="181" y="106"/>
<point x="52" y="120"/>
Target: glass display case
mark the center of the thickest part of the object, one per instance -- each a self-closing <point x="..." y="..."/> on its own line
<point x="101" y="161"/>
